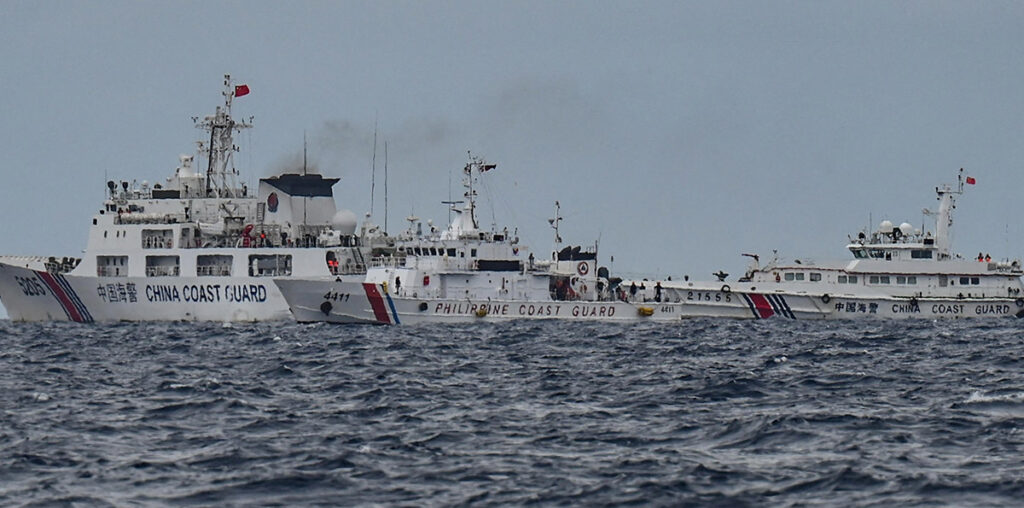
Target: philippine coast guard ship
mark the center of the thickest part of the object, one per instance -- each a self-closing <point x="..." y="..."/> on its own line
<point x="465" y="274"/>
<point x="200" y="246"/>
<point x="896" y="272"/>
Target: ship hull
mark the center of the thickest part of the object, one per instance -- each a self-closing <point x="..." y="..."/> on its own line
<point x="31" y="294"/>
<point x="745" y="304"/>
<point x="366" y="303"/>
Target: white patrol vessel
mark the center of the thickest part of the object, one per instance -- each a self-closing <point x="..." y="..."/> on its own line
<point x="199" y="246"/>
<point x="467" y="274"/>
<point x="897" y="272"/>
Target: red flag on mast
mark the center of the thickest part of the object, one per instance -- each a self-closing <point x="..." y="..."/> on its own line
<point x="971" y="180"/>
<point x="241" y="90"/>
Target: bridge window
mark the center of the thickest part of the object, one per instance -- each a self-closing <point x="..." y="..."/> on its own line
<point x="921" y="254"/>
<point x="852" y="279"/>
<point x="975" y="281"/>
<point x="213" y="265"/>
<point x="270" y="265"/>
<point x="965" y="281"/>
<point x="162" y="266"/>
<point x="157" y="238"/>
<point x="790" y="276"/>
<point x="112" y="266"/>
<point x="799" y="275"/>
<point x="841" y="279"/>
<point x="815" y="277"/>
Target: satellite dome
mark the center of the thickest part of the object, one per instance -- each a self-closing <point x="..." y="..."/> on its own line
<point x="344" y="222"/>
<point x="906" y="228"/>
<point x="885" y="227"/>
<point x="185" y="169"/>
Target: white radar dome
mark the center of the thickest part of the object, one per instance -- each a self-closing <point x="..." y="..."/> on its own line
<point x="906" y="229"/>
<point x="344" y="222"/>
<point x="885" y="227"/>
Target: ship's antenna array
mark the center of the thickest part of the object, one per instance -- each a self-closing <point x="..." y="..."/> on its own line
<point x="479" y="166"/>
<point x="220" y="172"/>
<point x="373" y="166"/>
<point x="554" y="225"/>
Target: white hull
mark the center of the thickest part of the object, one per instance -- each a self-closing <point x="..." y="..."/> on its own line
<point x="35" y="295"/>
<point x="747" y="304"/>
<point x="357" y="302"/>
<point x="367" y="303"/>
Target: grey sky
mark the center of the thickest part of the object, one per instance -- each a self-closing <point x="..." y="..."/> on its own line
<point x="682" y="133"/>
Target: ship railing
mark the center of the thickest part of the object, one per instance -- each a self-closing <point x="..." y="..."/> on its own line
<point x="162" y="271"/>
<point x="387" y="261"/>
<point x="156" y="242"/>
<point x="213" y="271"/>
<point x="61" y="265"/>
<point x="348" y="268"/>
<point x="1005" y="266"/>
<point x="109" y="271"/>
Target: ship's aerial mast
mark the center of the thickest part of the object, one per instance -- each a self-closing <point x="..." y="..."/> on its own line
<point x="944" y="218"/>
<point x="478" y="165"/>
<point x="220" y="174"/>
<point x="554" y="225"/>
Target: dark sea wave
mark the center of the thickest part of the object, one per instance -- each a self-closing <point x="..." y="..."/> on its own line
<point x="719" y="413"/>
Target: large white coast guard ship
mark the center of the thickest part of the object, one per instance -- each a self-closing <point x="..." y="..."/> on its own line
<point x="468" y="274"/>
<point x="896" y="272"/>
<point x="200" y="246"/>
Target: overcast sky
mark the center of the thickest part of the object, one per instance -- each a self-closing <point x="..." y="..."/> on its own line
<point x="679" y="133"/>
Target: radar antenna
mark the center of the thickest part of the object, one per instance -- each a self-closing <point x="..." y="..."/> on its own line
<point x="220" y="173"/>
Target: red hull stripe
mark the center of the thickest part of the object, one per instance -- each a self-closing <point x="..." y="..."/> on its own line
<point x="761" y="304"/>
<point x="62" y="297"/>
<point x="377" y="302"/>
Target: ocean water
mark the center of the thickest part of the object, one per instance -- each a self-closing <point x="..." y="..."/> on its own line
<point x="704" y="412"/>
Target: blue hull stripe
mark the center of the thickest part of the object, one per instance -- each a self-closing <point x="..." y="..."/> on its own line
<point x="391" y="304"/>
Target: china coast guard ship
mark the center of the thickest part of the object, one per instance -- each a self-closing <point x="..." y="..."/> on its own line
<point x="468" y="274"/>
<point x="199" y="246"/>
<point x="896" y="272"/>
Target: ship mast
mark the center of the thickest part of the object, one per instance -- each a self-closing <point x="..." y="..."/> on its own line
<point x="944" y="219"/>
<point x="478" y="165"/>
<point x="554" y="225"/>
<point x="220" y="173"/>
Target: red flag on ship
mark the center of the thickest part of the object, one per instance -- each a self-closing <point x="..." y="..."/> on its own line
<point x="971" y="180"/>
<point x="241" y="90"/>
